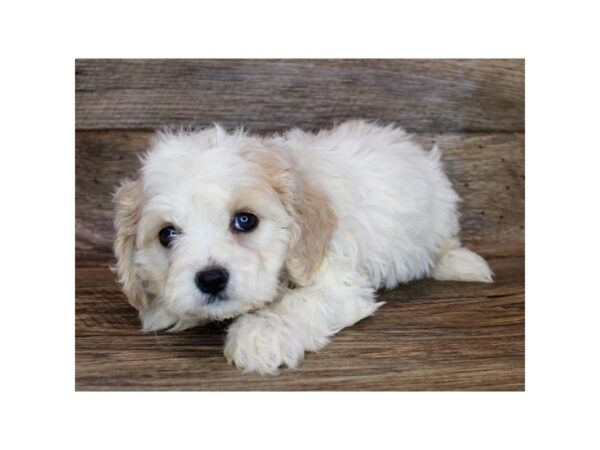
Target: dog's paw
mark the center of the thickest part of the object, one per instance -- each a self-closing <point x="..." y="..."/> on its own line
<point x="262" y="343"/>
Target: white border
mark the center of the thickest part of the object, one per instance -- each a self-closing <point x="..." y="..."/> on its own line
<point x="37" y="175"/>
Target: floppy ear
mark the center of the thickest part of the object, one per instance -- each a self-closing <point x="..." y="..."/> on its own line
<point x="313" y="228"/>
<point x="127" y="214"/>
<point x="313" y="221"/>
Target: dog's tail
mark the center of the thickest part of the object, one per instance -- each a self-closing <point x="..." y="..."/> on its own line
<point x="457" y="263"/>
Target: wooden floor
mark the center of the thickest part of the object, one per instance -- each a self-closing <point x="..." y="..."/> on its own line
<point x="429" y="335"/>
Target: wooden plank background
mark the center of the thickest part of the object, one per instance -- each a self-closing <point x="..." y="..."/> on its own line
<point x="430" y="335"/>
<point x="422" y="95"/>
<point x="492" y="188"/>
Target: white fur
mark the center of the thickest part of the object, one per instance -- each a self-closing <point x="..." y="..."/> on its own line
<point x="395" y="218"/>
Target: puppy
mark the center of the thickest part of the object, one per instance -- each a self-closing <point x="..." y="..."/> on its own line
<point x="291" y="234"/>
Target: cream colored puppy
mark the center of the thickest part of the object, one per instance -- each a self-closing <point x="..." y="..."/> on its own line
<point x="290" y="234"/>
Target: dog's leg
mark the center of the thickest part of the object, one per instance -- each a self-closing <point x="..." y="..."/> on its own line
<point x="457" y="263"/>
<point x="302" y="320"/>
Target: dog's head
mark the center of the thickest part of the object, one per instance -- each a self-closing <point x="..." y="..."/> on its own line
<point x="215" y="225"/>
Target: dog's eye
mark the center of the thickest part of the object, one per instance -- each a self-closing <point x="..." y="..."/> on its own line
<point x="244" y="222"/>
<point x="167" y="235"/>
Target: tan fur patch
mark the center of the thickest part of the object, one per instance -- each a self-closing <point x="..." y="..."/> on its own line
<point x="127" y="215"/>
<point x="313" y="221"/>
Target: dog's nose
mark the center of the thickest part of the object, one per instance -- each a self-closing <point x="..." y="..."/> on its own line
<point x="212" y="281"/>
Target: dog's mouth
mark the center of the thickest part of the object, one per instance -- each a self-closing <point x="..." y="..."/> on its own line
<point x="222" y="307"/>
<point x="216" y="298"/>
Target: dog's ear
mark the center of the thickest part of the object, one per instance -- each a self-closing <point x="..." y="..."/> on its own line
<point x="127" y="215"/>
<point x="313" y="221"/>
<point x="314" y="224"/>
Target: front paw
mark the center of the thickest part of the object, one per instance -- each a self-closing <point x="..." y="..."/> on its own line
<point x="261" y="342"/>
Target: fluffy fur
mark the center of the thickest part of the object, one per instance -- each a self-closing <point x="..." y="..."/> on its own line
<point x="342" y="212"/>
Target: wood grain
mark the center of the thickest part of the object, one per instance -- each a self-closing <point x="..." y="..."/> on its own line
<point x="424" y="95"/>
<point x="429" y="336"/>
<point x="487" y="170"/>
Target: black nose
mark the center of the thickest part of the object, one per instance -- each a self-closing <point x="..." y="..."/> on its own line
<point x="212" y="281"/>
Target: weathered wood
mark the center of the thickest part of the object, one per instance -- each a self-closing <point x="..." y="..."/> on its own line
<point x="487" y="170"/>
<point x="429" y="336"/>
<point x="423" y="95"/>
